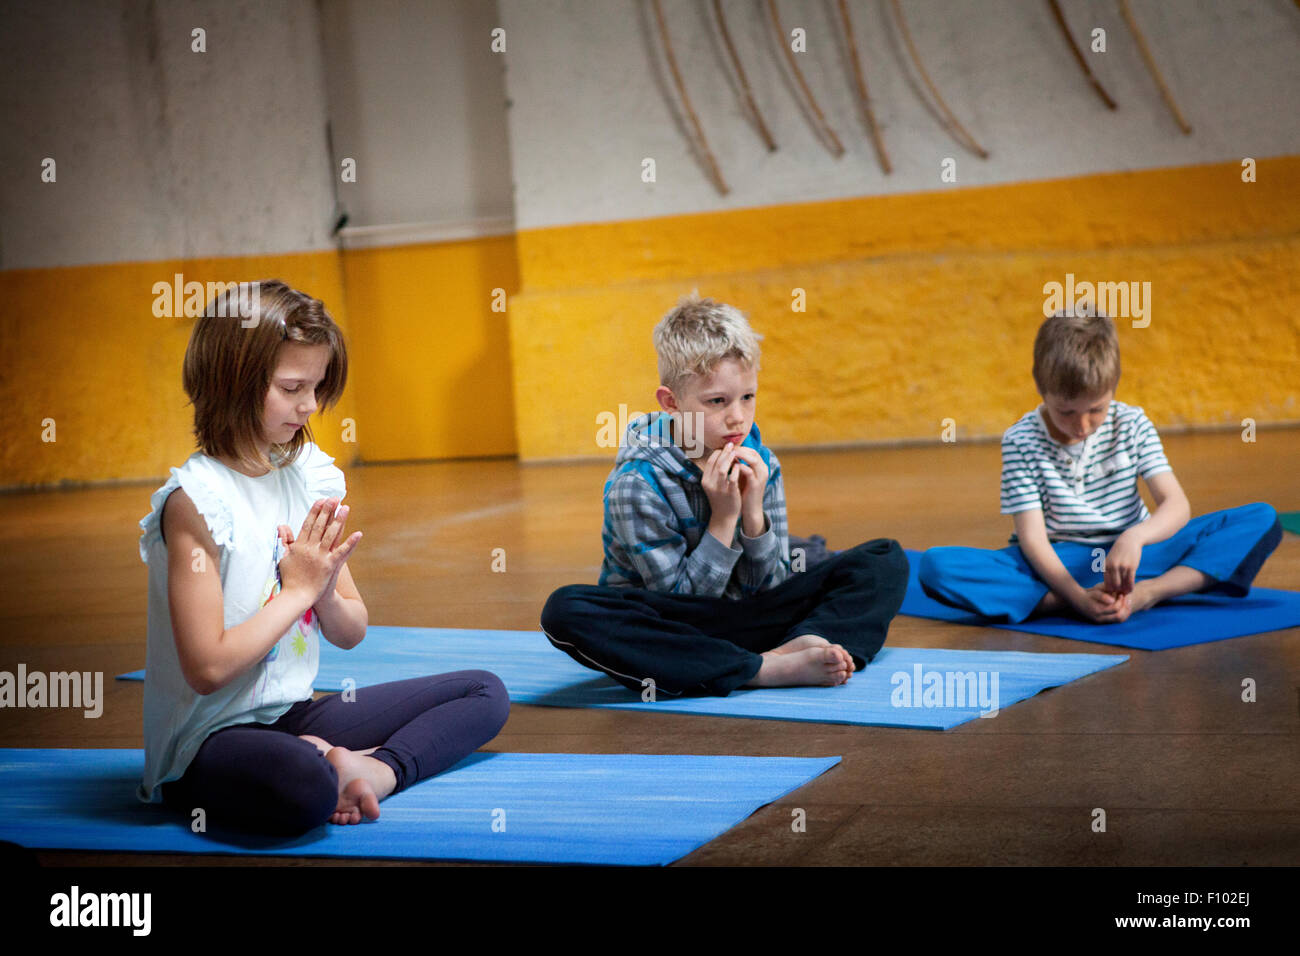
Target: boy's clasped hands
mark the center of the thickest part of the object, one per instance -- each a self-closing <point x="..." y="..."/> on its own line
<point x="1116" y="597"/>
<point x="735" y="478"/>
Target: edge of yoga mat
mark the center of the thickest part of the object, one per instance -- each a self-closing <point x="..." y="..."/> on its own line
<point x="782" y="703"/>
<point x="688" y="795"/>
<point x="537" y="674"/>
<point x="1179" y="616"/>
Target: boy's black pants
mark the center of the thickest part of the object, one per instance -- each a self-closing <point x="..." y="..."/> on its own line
<point x="690" y="645"/>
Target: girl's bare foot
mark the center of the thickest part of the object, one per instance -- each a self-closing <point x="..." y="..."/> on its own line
<point x="821" y="665"/>
<point x="800" y="643"/>
<point x="322" y="745"/>
<point x="363" y="782"/>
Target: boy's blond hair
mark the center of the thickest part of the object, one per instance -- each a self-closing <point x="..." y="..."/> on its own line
<point x="1076" y="355"/>
<point x="698" y="334"/>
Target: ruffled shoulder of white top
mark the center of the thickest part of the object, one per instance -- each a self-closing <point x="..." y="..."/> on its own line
<point x="321" y="477"/>
<point x="199" y="478"/>
<point x="203" y="479"/>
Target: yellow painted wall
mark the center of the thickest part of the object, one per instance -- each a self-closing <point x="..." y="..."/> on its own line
<point x="919" y="308"/>
<point x="429" y="369"/>
<point x="923" y="307"/>
<point x="432" y="377"/>
<point x="81" y="345"/>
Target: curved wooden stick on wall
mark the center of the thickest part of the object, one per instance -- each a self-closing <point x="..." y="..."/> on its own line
<point x="701" y="139"/>
<point x="952" y="125"/>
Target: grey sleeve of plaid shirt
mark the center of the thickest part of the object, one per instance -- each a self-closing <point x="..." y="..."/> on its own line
<point x="644" y="524"/>
<point x="766" y="559"/>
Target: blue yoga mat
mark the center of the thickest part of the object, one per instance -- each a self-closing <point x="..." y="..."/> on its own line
<point x="1190" y="619"/>
<point x="626" y="809"/>
<point x="536" y="673"/>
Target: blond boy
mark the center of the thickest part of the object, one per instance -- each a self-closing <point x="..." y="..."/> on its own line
<point x="697" y="594"/>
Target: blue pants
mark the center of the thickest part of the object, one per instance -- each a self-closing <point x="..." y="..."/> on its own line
<point x="264" y="778"/>
<point x="1228" y="546"/>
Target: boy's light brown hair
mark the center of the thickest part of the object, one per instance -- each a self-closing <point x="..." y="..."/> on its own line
<point x="698" y="334"/>
<point x="228" y="369"/>
<point x="1076" y="355"/>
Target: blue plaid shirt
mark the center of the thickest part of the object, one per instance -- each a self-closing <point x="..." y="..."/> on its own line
<point x="657" y="519"/>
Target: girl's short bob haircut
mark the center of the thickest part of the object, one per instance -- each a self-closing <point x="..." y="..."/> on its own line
<point x="232" y="356"/>
<point x="1076" y="354"/>
<point x="698" y="334"/>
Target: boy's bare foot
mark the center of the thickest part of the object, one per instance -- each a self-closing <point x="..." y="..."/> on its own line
<point x="1101" y="606"/>
<point x="1173" y="583"/>
<point x="822" y="665"/>
<point x="802" y="642"/>
<point x="1142" y="597"/>
<point x="1050" y="604"/>
<point x="363" y="782"/>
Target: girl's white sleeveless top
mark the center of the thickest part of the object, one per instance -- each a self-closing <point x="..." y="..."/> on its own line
<point x="242" y="514"/>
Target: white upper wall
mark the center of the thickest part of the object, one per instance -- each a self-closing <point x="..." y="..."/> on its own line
<point x="161" y="152"/>
<point x="418" y="99"/>
<point x="592" y="97"/>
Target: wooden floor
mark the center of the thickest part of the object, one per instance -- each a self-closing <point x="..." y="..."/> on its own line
<point x="1187" y="773"/>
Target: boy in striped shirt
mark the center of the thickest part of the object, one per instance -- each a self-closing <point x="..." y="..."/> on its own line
<point x="1084" y="540"/>
<point x="697" y="593"/>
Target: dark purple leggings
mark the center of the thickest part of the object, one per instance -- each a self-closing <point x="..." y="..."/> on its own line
<point x="264" y="778"/>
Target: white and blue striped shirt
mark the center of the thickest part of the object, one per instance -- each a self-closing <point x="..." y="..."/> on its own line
<point x="1088" y="494"/>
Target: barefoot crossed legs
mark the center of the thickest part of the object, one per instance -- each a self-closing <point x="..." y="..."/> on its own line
<point x="363" y="780"/>
<point x="808" y="659"/>
<point x="1178" y="580"/>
